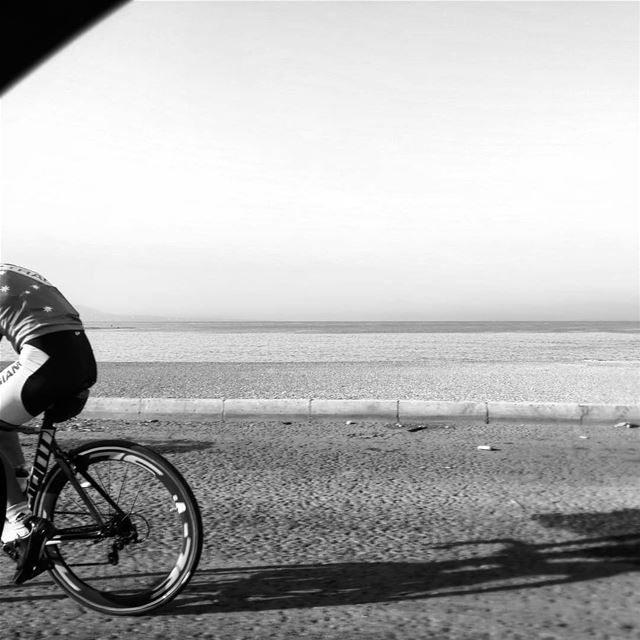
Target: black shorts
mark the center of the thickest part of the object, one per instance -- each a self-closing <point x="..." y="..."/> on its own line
<point x="49" y="368"/>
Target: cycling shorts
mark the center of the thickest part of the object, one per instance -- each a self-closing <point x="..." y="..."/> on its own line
<point x="49" y="368"/>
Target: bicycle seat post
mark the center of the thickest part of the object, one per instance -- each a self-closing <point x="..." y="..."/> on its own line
<point x="47" y="420"/>
<point x="42" y="455"/>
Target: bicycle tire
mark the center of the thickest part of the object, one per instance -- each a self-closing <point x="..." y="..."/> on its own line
<point x="158" y="502"/>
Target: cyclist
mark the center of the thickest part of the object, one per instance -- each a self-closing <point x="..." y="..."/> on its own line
<point x="55" y="360"/>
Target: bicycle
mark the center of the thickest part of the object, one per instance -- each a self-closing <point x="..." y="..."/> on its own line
<point x="3" y="492"/>
<point x="127" y="528"/>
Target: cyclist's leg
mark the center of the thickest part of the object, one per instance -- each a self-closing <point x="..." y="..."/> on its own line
<point x="19" y="525"/>
<point x="50" y="368"/>
<point x="71" y="367"/>
<point x="14" y="412"/>
<point x="60" y="365"/>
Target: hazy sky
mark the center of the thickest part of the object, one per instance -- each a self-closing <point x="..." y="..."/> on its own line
<point x="320" y="160"/>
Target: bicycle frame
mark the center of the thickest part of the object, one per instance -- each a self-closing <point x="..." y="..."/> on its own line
<point x="3" y="491"/>
<point x="47" y="447"/>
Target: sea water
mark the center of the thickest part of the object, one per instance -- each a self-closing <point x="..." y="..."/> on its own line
<point x="411" y="342"/>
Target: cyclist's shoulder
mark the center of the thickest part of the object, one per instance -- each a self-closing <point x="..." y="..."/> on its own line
<point x="11" y="271"/>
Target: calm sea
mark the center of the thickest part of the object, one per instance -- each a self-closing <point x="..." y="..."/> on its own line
<point x="376" y="327"/>
<point x="411" y="342"/>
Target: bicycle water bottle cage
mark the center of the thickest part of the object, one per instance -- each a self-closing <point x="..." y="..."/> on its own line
<point x="68" y="407"/>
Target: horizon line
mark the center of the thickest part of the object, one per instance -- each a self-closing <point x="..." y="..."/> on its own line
<point x="144" y="319"/>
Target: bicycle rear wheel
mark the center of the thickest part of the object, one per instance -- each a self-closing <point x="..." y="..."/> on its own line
<point x="145" y="552"/>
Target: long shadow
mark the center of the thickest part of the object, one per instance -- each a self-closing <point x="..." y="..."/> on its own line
<point x="509" y="564"/>
<point x="159" y="446"/>
<point x="467" y="567"/>
<point x="176" y="446"/>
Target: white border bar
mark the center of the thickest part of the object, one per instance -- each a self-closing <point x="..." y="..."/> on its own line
<point x="374" y="409"/>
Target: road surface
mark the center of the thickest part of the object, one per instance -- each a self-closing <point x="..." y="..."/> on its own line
<point x="375" y="531"/>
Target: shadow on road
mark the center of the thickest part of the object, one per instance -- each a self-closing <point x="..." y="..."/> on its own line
<point x="612" y="547"/>
<point x="476" y="566"/>
<point x="165" y="447"/>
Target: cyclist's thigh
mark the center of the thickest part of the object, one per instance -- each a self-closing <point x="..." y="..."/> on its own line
<point x="12" y="382"/>
<point x="71" y="366"/>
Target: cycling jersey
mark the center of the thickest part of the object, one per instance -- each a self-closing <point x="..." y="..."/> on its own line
<point x="31" y="307"/>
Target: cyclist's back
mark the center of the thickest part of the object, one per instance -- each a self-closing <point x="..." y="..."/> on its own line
<point x="55" y="360"/>
<point x="31" y="307"/>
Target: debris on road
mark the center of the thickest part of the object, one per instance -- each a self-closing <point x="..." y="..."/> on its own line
<point x="419" y="427"/>
<point x="627" y="425"/>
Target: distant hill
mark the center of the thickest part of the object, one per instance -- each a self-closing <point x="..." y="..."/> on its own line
<point x="89" y="314"/>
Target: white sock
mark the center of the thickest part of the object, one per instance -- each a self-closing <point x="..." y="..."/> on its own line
<point x="22" y="476"/>
<point x="14" y="526"/>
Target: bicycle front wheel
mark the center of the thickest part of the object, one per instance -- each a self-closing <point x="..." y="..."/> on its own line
<point x="142" y="543"/>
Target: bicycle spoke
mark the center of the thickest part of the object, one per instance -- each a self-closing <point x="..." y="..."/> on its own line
<point x="99" y="481"/>
<point x="126" y="473"/>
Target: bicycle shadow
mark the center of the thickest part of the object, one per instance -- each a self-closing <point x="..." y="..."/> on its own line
<point x="165" y="447"/>
<point x="161" y="446"/>
<point x="508" y="565"/>
<point x="612" y="548"/>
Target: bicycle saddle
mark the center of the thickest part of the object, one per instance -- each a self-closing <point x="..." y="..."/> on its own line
<point x="67" y="407"/>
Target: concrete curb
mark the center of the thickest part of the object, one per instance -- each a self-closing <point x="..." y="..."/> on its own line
<point x="361" y="409"/>
<point x="416" y="410"/>
<point x="218" y="409"/>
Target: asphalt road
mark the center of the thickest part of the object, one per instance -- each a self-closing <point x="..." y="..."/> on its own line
<point x="373" y="531"/>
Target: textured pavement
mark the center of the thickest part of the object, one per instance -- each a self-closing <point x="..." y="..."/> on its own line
<point x="372" y="530"/>
<point x="516" y="381"/>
